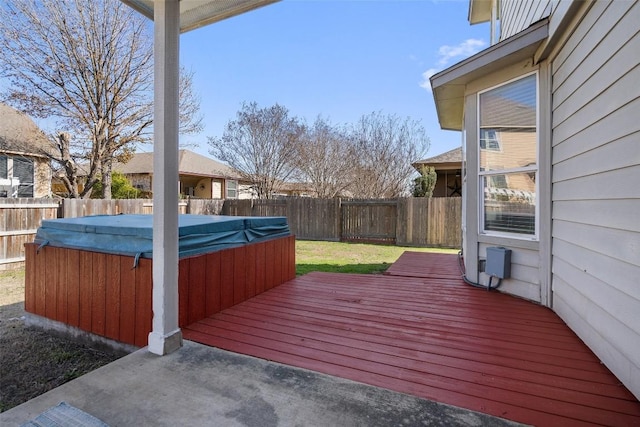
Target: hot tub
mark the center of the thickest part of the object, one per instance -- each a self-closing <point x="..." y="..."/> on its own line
<point x="95" y="273"/>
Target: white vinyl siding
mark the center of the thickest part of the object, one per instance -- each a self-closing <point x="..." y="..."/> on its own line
<point x="517" y="15"/>
<point x="596" y="191"/>
<point x="525" y="275"/>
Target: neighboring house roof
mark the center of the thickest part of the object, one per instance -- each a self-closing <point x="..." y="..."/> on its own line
<point x="189" y="163"/>
<point x="20" y="134"/>
<point x="450" y="156"/>
<point x="450" y="159"/>
<point x="294" y="187"/>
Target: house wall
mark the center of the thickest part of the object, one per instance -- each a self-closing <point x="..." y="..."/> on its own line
<point x="245" y="191"/>
<point x="203" y="189"/>
<point x="141" y="181"/>
<point x="596" y="196"/>
<point x="517" y="15"/>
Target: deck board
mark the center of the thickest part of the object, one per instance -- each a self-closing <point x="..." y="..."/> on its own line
<point x="431" y="336"/>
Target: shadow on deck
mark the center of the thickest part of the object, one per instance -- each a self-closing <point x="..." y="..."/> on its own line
<point x="420" y="330"/>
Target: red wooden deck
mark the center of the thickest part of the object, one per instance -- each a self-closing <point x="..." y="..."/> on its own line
<point x="432" y="337"/>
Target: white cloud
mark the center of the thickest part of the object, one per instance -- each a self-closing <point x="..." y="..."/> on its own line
<point x="447" y="54"/>
<point x="426" y="84"/>
<point x="463" y="50"/>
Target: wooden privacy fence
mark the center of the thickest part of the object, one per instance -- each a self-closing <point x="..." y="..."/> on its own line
<point x="309" y="219"/>
<point x="430" y="222"/>
<point x="19" y="220"/>
<point x="73" y="208"/>
<point x="405" y="222"/>
<point x="369" y="221"/>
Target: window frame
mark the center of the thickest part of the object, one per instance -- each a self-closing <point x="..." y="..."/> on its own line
<point x="227" y="189"/>
<point x="9" y="171"/>
<point x="495" y="139"/>
<point x="535" y="169"/>
<point x="4" y="166"/>
<point x="25" y="188"/>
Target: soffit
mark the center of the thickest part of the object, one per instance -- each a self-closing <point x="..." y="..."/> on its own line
<point x="198" y="13"/>
<point x="449" y="85"/>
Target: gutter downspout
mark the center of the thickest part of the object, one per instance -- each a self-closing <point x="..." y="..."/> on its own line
<point x="494" y="21"/>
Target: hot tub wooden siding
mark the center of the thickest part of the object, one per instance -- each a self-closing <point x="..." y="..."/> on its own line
<point x="103" y="294"/>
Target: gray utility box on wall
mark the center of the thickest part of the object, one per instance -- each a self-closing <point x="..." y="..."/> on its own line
<point x="498" y="262"/>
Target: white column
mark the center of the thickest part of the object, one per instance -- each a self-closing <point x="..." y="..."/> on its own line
<point x="165" y="336"/>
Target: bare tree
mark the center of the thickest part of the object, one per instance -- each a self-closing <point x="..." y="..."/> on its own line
<point x="87" y="65"/>
<point x="69" y="165"/>
<point x="385" y="147"/>
<point x="260" y="144"/>
<point x="324" y="158"/>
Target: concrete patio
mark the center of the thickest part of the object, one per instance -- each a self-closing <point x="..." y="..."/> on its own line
<point x="200" y="385"/>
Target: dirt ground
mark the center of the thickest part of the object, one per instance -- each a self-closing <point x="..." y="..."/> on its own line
<point x="34" y="361"/>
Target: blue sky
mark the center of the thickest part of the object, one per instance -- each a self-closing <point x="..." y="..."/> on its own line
<point x="338" y="59"/>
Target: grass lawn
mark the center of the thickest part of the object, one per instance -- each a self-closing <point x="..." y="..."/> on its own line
<point x="337" y="257"/>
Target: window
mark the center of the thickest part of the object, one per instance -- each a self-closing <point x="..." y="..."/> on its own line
<point x="23" y="170"/>
<point x="508" y="167"/>
<point x="489" y="140"/>
<point x="498" y="181"/>
<point x="17" y="174"/>
<point x="3" y="167"/>
<point x="232" y="189"/>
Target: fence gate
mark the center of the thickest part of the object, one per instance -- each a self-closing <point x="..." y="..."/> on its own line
<point x="371" y="221"/>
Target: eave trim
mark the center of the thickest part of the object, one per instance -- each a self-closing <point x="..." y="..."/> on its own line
<point x="449" y="85"/>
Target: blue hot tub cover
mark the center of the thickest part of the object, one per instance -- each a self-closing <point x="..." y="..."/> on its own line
<point x="133" y="234"/>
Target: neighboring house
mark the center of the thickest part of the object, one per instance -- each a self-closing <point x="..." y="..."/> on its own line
<point x="200" y="176"/>
<point x="561" y="187"/>
<point x="448" y="167"/>
<point x="293" y="189"/>
<point x="25" y="169"/>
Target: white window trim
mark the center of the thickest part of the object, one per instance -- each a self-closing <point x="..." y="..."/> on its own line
<point x="497" y="140"/>
<point x="226" y="189"/>
<point x="480" y="204"/>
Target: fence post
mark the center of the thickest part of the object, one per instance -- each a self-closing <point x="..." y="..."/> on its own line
<point x="339" y="218"/>
<point x="404" y="221"/>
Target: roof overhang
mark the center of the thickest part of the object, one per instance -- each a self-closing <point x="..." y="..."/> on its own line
<point x="449" y="85"/>
<point x="479" y="11"/>
<point x="444" y="166"/>
<point x="198" y="13"/>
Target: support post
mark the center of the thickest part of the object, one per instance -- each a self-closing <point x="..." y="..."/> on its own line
<point x="165" y="336"/>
